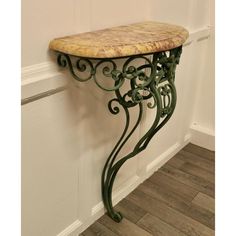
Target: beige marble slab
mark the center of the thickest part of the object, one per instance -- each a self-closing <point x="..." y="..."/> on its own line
<point x="138" y="38"/>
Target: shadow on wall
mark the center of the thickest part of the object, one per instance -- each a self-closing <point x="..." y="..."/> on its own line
<point x="89" y="104"/>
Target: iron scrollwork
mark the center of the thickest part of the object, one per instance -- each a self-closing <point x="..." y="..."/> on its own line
<point x="152" y="82"/>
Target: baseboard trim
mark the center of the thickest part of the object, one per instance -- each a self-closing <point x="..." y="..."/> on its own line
<point x="119" y="193"/>
<point x="72" y="230"/>
<point x="98" y="210"/>
<point x="166" y="156"/>
<point x="203" y="137"/>
<point x="163" y="158"/>
<point x="187" y="138"/>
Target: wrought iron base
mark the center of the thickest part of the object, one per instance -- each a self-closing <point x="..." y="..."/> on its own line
<point x="153" y="82"/>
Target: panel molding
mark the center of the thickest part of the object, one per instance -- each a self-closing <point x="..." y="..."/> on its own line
<point x="37" y="72"/>
<point x="41" y="79"/>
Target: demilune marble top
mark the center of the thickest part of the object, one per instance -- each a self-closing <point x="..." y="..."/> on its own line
<point x="139" y="38"/>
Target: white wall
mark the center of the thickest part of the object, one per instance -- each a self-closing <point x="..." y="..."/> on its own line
<point x="203" y="120"/>
<point x="44" y="20"/>
<point x="67" y="136"/>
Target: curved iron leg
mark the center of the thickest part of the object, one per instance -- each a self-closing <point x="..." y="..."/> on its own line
<point x="164" y="97"/>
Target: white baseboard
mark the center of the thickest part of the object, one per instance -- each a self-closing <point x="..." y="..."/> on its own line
<point x="203" y="137"/>
<point x="162" y="159"/>
<point x="72" y="230"/>
<point x="166" y="156"/>
<point x="187" y="138"/>
<point x="119" y="193"/>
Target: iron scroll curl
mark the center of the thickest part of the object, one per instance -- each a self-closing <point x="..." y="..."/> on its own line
<point x="152" y="82"/>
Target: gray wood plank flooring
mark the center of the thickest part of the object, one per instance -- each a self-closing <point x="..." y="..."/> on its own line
<point x="177" y="200"/>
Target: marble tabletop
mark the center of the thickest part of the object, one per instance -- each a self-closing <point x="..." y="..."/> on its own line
<point x="139" y="38"/>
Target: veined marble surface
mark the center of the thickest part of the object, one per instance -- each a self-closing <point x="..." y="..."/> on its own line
<point x="126" y="40"/>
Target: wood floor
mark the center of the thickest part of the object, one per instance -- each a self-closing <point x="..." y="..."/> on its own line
<point x="177" y="200"/>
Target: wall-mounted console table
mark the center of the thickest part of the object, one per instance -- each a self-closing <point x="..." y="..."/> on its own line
<point x="157" y="46"/>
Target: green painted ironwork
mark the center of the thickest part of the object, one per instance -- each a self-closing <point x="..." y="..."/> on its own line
<point x="153" y="80"/>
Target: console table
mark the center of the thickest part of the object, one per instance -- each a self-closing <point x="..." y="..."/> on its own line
<point x="148" y="53"/>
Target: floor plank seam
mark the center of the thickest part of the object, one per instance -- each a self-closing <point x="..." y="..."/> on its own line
<point x="167" y="224"/>
<point x="175" y="209"/>
<point x="181" y="183"/>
